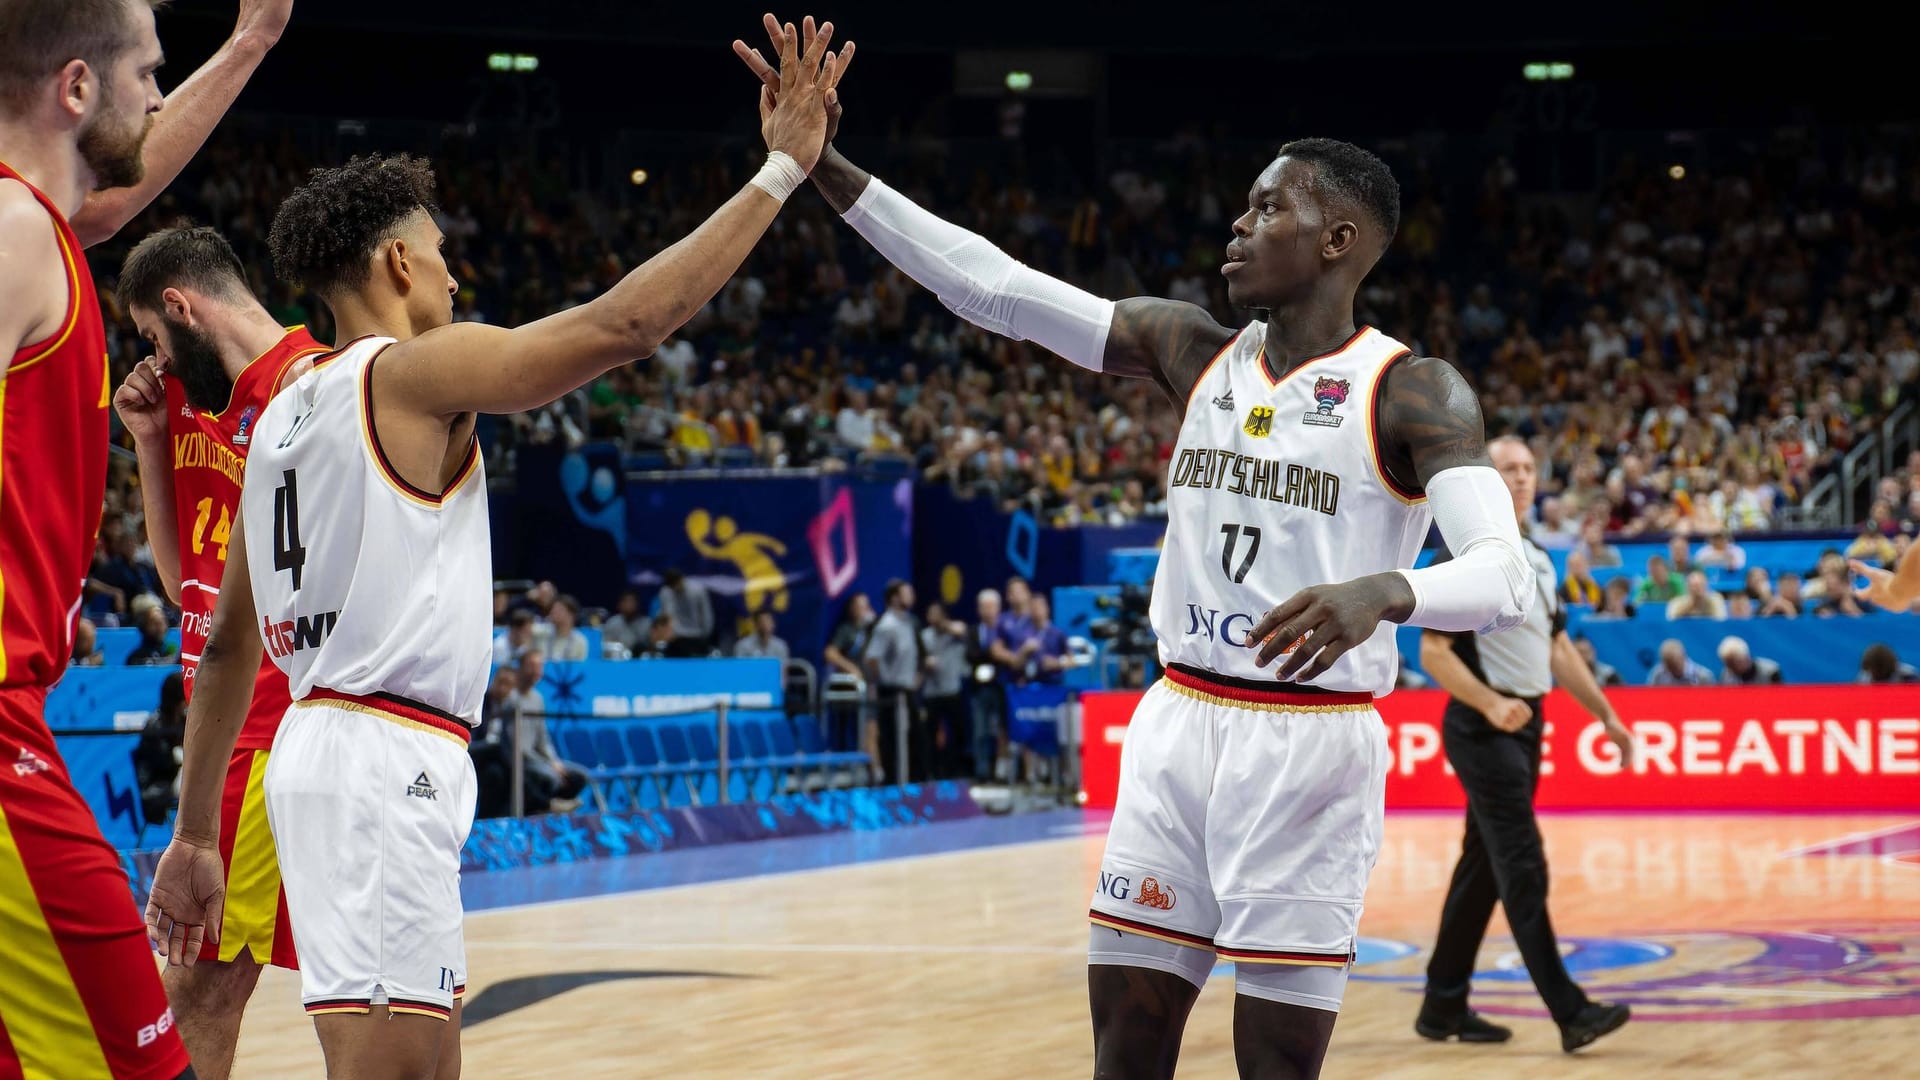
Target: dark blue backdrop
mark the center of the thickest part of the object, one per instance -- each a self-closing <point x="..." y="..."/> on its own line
<point x="961" y="546"/>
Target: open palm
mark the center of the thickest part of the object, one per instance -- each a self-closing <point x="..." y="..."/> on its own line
<point x="781" y="37"/>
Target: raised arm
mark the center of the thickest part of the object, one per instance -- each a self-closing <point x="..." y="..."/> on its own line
<point x="189" y="884"/>
<point x="141" y="402"/>
<point x="183" y="124"/>
<point x="468" y="367"/>
<point x="1167" y="341"/>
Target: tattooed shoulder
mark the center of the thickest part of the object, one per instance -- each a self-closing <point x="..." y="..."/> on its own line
<point x="1168" y="341"/>
<point x="1429" y="421"/>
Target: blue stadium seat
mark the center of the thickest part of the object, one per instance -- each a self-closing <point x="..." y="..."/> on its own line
<point x="814" y="750"/>
<point x="702" y="739"/>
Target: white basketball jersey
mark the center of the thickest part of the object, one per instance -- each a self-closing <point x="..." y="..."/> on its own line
<point x="364" y="584"/>
<point x="1275" y="487"/>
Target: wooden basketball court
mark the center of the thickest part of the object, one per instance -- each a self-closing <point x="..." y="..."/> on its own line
<point x="1743" y="952"/>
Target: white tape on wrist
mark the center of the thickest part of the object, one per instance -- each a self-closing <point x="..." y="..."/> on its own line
<point x="781" y="176"/>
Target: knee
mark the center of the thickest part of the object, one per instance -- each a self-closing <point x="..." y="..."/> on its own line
<point x="212" y="986"/>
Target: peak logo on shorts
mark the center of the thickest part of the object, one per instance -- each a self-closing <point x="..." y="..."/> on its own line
<point x="1154" y="895"/>
<point x="421" y="788"/>
<point x="29" y="763"/>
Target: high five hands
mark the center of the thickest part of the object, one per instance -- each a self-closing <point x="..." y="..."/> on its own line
<point x="776" y="82"/>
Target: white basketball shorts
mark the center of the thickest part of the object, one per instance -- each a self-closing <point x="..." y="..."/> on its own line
<point x="370" y="799"/>
<point x="1248" y="820"/>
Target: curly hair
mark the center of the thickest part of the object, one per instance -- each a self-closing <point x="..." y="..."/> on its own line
<point x="185" y="255"/>
<point x="326" y="231"/>
<point x="1344" y="174"/>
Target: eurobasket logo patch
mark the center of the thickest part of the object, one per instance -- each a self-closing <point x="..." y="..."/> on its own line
<point x="1259" y="422"/>
<point x="1328" y="393"/>
<point x="240" y="436"/>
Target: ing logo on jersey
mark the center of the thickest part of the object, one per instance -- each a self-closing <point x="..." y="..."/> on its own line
<point x="1259" y="422"/>
<point x="1328" y="392"/>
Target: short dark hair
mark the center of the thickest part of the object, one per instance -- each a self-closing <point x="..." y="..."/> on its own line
<point x="893" y="588"/>
<point x="186" y="255"/>
<point x="39" y="37"/>
<point x="568" y="602"/>
<point x="329" y="227"/>
<point x="1345" y="174"/>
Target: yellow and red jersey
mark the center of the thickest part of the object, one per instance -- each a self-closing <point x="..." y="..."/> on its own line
<point x="209" y="463"/>
<point x="53" y="473"/>
<point x="79" y="996"/>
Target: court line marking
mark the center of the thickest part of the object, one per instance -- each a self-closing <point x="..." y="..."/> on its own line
<point x="1849" y="838"/>
<point x="828" y="868"/>
<point x="1041" y="950"/>
<point x="786" y="947"/>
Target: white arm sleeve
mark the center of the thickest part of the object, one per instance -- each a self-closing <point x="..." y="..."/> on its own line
<point x="979" y="282"/>
<point x="1488" y="585"/>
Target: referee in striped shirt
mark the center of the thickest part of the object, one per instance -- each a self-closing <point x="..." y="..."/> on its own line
<point x="1492" y="730"/>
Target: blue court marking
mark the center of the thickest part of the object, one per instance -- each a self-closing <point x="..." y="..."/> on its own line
<point x="584" y="880"/>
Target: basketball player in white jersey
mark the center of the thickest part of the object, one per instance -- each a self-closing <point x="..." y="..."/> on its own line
<point x="362" y="559"/>
<point x="1313" y="456"/>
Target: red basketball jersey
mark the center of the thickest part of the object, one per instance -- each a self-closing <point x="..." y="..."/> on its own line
<point x="53" y="473"/>
<point x="209" y="462"/>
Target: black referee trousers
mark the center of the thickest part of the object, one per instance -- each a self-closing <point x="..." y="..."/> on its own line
<point x="1501" y="859"/>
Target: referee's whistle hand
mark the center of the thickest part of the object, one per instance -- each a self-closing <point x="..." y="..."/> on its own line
<point x="1510" y="714"/>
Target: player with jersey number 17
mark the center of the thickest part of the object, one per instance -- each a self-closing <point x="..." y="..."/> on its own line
<point x="1312" y="457"/>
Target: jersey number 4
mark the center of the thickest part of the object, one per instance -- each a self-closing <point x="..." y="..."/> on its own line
<point x="1233" y="534"/>
<point x="288" y="554"/>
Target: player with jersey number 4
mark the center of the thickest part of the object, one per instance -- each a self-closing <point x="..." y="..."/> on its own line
<point x="1312" y="457"/>
<point x="361" y="557"/>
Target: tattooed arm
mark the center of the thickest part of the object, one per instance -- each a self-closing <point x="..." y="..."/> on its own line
<point x="1429" y="421"/>
<point x="1433" y="441"/>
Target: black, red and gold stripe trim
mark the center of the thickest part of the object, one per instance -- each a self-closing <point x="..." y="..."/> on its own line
<point x="460" y="991"/>
<point x="419" y="1008"/>
<point x="1162" y="933"/>
<point x="1277" y="696"/>
<point x="1260" y="359"/>
<point x="1373" y="432"/>
<point x="339" y="1005"/>
<point x="403" y="711"/>
<point x="1285" y="956"/>
<point x="362" y="1006"/>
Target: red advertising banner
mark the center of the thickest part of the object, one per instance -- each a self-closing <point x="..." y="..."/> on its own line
<point x="1710" y="748"/>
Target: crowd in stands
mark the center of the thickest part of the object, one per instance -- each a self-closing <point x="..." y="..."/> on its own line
<point x="1684" y="355"/>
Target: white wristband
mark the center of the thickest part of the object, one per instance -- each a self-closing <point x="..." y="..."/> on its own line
<point x="780" y="176"/>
